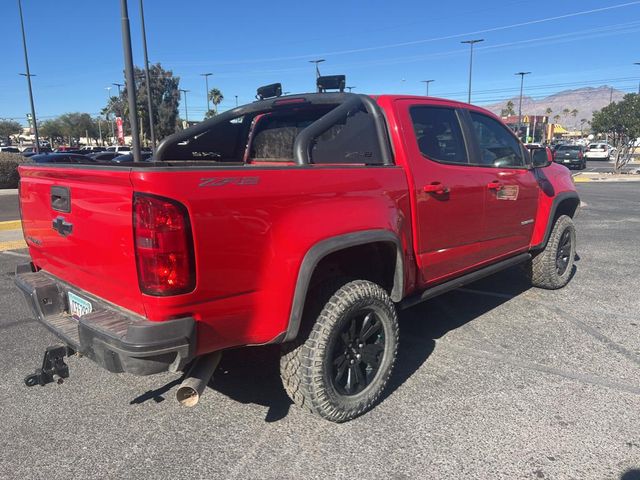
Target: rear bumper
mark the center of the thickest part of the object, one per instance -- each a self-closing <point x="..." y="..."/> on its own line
<point x="116" y="339"/>
<point x="569" y="161"/>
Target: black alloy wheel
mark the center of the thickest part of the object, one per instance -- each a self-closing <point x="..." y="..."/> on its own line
<point x="563" y="254"/>
<point x="357" y="353"/>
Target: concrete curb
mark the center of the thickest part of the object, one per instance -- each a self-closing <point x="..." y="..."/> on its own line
<point x="604" y="177"/>
<point x="8" y="191"/>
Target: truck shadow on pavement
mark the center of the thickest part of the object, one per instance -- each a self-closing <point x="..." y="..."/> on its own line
<point x="251" y="375"/>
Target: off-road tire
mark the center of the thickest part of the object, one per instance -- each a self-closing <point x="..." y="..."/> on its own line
<point x="306" y="365"/>
<point x="543" y="269"/>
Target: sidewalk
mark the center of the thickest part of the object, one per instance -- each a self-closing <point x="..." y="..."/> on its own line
<point x="11" y="235"/>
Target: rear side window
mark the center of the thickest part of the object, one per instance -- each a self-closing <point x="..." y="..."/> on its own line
<point x="498" y="146"/>
<point x="439" y="134"/>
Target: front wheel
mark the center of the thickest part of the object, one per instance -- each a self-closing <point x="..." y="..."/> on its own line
<point x="341" y="368"/>
<point x="552" y="267"/>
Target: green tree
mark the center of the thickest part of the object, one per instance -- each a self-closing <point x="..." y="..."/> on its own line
<point x="165" y="100"/>
<point x="8" y="128"/>
<point x="574" y="112"/>
<point x="508" y="110"/>
<point x="53" y="130"/>
<point x="621" y="119"/>
<point x="216" y="98"/>
<point x="548" y="111"/>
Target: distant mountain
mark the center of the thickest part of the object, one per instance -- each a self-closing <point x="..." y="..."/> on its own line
<point x="585" y="100"/>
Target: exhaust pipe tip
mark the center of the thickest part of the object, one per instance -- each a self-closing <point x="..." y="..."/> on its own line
<point x="187" y="396"/>
<point x="197" y="379"/>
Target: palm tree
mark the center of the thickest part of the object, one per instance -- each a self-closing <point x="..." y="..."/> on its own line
<point x="216" y="98"/>
<point x="548" y="111"/>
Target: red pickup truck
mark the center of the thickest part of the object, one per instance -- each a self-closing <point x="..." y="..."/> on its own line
<point x="303" y="220"/>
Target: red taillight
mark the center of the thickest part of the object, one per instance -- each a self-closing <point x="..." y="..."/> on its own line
<point x="164" y="246"/>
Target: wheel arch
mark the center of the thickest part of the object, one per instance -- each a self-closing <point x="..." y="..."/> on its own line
<point x="333" y="247"/>
<point x="565" y="203"/>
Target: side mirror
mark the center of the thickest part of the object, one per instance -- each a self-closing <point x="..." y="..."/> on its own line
<point x="540" y="156"/>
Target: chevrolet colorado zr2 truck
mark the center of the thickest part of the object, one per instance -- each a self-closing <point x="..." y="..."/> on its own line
<point x="304" y="220"/>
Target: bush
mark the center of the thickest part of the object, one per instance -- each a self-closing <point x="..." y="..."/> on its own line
<point x="9" y="169"/>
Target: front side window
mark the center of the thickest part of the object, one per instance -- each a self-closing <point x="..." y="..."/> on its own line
<point x="498" y="147"/>
<point x="439" y="134"/>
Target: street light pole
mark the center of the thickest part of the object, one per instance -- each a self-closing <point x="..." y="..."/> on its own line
<point x="118" y="85"/>
<point x="522" y="74"/>
<point x="28" y="75"/>
<point x="350" y="88"/>
<point x="236" y="100"/>
<point x="206" y="83"/>
<point x="427" y="82"/>
<point x="130" y="81"/>
<point x="113" y="133"/>
<point x="319" y="60"/>
<point x="147" y="79"/>
<point x="186" y="110"/>
<point x="638" y="63"/>
<point x="471" y="43"/>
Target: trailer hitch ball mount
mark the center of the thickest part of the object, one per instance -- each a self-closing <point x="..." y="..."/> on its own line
<point x="53" y="367"/>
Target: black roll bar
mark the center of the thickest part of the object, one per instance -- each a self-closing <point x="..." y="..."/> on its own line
<point x="302" y="145"/>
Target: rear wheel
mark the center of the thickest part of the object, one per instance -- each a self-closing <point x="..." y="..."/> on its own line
<point x="341" y="368"/>
<point x="552" y="267"/>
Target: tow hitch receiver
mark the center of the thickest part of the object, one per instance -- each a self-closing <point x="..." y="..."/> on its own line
<point x="53" y="367"/>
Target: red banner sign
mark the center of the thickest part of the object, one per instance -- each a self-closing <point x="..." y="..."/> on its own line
<point x="120" y="130"/>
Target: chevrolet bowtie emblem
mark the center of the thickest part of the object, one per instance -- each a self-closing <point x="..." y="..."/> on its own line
<point x="62" y="227"/>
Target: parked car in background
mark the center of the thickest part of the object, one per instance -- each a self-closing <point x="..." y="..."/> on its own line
<point x="92" y="149"/>
<point x="119" y="148"/>
<point x="103" y="156"/>
<point x="9" y="149"/>
<point x="599" y="151"/>
<point x="128" y="157"/>
<point x="65" y="148"/>
<point x="570" y="156"/>
<point x="60" y="157"/>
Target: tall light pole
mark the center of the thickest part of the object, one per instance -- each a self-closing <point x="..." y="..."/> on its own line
<point x="147" y="78"/>
<point x="206" y="83"/>
<point x="427" y="82"/>
<point x="638" y="63"/>
<point x="28" y="75"/>
<point x="471" y="43"/>
<point x="236" y="100"/>
<point x="186" y="110"/>
<point x="350" y="88"/>
<point x="319" y="60"/>
<point x="118" y="85"/>
<point x="522" y="74"/>
<point x="129" y="79"/>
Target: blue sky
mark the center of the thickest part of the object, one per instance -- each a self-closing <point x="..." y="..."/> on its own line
<point x="75" y="47"/>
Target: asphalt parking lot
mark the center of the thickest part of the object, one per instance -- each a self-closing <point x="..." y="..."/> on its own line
<point x="494" y="381"/>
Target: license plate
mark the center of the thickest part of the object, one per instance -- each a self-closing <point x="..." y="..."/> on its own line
<point x="78" y="306"/>
<point x="567" y="161"/>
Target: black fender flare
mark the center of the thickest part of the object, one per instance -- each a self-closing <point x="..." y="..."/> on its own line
<point x="325" y="247"/>
<point x="560" y="198"/>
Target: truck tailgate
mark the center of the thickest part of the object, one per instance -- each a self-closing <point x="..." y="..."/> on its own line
<point x="87" y="238"/>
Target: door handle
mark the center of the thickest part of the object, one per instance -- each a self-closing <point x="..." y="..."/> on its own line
<point x="436" y="187"/>
<point x="495" y="185"/>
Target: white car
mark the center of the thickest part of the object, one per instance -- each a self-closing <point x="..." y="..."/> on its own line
<point x="599" y="151"/>
<point x="119" y="148"/>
